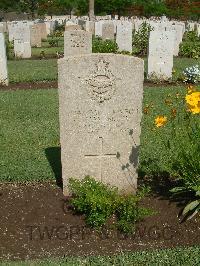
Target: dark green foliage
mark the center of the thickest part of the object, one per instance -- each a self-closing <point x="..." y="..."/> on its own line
<point x="140" y="39"/>
<point x="107" y="46"/>
<point x="190" y="46"/>
<point x="186" y="165"/>
<point x="98" y="202"/>
<point x="155" y="8"/>
<point x="128" y="212"/>
<point x="53" y="42"/>
<point x="9" y="48"/>
<point x="59" y="27"/>
<point x="93" y="199"/>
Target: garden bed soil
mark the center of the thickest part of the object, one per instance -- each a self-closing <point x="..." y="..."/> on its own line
<point x="54" y="85"/>
<point x="30" y="85"/>
<point x="36" y="223"/>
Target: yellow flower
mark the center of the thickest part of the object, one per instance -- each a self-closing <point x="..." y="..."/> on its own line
<point x="160" y="121"/>
<point x="193" y="102"/>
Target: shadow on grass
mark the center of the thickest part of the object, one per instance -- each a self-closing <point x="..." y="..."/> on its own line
<point x="161" y="183"/>
<point x="53" y="155"/>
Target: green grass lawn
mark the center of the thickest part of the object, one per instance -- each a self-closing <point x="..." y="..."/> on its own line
<point x="39" y="70"/>
<point x="32" y="70"/>
<point x="171" y="257"/>
<point x="29" y="126"/>
<point x="48" y="52"/>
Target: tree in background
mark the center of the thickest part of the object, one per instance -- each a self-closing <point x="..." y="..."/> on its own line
<point x="8" y="5"/>
<point x="182" y="9"/>
<point x="91" y="9"/>
<point x="29" y="6"/>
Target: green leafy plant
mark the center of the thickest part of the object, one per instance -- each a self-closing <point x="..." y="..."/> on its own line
<point x="99" y="202"/>
<point x="53" y="42"/>
<point x="183" y="145"/>
<point x="107" y="46"/>
<point x="9" y="48"/>
<point x="140" y="39"/>
<point x="190" y="46"/>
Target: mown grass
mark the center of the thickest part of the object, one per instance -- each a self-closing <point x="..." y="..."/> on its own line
<point x="39" y="70"/>
<point x="47" y="52"/>
<point x="172" y="257"/>
<point x="32" y="70"/>
<point x="29" y="125"/>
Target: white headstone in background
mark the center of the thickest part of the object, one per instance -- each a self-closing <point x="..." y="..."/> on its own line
<point x="98" y="28"/>
<point x="197" y="29"/>
<point x="77" y="42"/>
<point x="3" y="62"/>
<point x="22" y="43"/>
<point x="108" y="31"/>
<point x="179" y="32"/>
<point x="124" y="36"/>
<point x="43" y="30"/>
<point x="36" y="40"/>
<point x="160" y="54"/>
<point x="90" y="27"/>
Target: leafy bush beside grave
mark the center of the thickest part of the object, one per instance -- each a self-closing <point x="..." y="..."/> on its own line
<point x="107" y="46"/>
<point x="184" y="147"/>
<point x="9" y="48"/>
<point x="99" y="202"/>
<point x="141" y="39"/>
<point x="190" y="46"/>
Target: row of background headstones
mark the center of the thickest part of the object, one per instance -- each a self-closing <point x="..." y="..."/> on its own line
<point x="28" y="33"/>
<point x="164" y="40"/>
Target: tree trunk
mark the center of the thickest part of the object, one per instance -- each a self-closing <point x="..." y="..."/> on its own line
<point x="91" y="10"/>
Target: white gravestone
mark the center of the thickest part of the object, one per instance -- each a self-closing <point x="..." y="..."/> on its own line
<point x="22" y="43"/>
<point x="100" y="113"/>
<point x="77" y="42"/>
<point x="160" y="54"/>
<point x="3" y="62"/>
<point x="124" y="36"/>
<point x="36" y="40"/>
<point x="108" y="31"/>
<point x="178" y="28"/>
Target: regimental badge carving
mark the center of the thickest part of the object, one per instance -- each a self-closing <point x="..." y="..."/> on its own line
<point x="101" y="84"/>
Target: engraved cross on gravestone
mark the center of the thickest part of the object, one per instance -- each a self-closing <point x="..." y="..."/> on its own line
<point x="101" y="156"/>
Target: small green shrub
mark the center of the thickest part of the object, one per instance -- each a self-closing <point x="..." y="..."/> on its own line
<point x="9" y="48"/>
<point x="190" y="49"/>
<point x="191" y="36"/>
<point x="99" y="202"/>
<point x="141" y="39"/>
<point x="53" y="42"/>
<point x="107" y="46"/>
<point x="59" y="27"/>
<point x="190" y="46"/>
